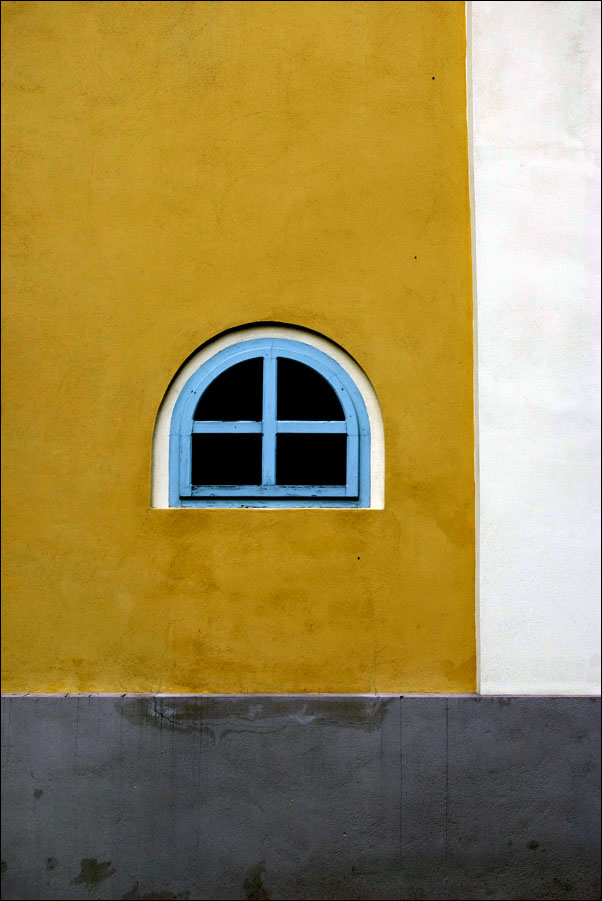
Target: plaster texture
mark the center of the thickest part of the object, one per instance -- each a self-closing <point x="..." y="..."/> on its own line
<point x="176" y="170"/>
<point x="536" y="106"/>
<point x="301" y="798"/>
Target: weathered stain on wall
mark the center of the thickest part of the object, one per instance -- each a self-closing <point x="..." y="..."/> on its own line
<point x="209" y="797"/>
<point x="176" y="169"/>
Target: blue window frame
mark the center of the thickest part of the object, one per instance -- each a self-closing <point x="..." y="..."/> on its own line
<point x="270" y="450"/>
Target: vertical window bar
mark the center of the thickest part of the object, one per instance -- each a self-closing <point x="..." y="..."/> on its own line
<point x="185" y="465"/>
<point x="269" y="419"/>
<point x="352" y="466"/>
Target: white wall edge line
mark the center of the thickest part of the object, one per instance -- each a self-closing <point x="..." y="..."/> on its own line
<point x="475" y="335"/>
<point x="302" y="695"/>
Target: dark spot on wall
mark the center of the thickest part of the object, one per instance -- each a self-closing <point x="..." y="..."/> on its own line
<point x="433" y="77"/>
<point x="93" y="872"/>
<point x="4" y="866"/>
<point x="532" y="845"/>
<point x="134" y="895"/>
<point x="415" y="258"/>
<point x="51" y="863"/>
<point x="462" y="672"/>
<point x="253" y="885"/>
<point x="37" y="793"/>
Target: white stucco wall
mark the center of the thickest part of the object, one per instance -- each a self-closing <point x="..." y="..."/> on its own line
<point x="535" y="107"/>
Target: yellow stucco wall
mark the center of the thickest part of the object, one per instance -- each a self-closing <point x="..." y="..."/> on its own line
<point x="176" y="169"/>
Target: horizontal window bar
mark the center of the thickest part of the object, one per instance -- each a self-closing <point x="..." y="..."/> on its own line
<point x="218" y="427"/>
<point x="283" y="426"/>
<point x="312" y="425"/>
<point x="269" y="491"/>
<point x="271" y="503"/>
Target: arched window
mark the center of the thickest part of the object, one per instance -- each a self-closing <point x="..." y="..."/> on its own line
<point x="269" y="422"/>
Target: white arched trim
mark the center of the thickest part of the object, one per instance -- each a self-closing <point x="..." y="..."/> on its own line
<point x="160" y="460"/>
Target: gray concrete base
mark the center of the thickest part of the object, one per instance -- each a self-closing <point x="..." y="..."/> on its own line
<point x="293" y="797"/>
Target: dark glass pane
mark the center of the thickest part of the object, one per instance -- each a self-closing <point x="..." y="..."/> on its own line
<point x="311" y="459"/>
<point x="305" y="394"/>
<point x="226" y="459"/>
<point x="235" y="394"/>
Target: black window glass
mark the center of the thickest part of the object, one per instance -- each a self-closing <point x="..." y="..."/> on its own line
<point x="304" y="394"/>
<point x="311" y="459"/>
<point x="235" y="394"/>
<point x="226" y="459"/>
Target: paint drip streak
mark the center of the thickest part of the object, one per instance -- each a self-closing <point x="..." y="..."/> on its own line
<point x="400" y="774"/>
<point x="446" y="776"/>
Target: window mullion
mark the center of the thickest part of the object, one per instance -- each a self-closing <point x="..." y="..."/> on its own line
<point x="268" y="460"/>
